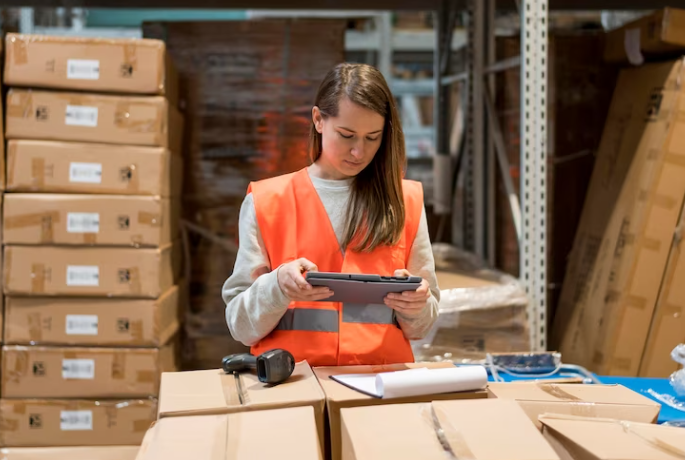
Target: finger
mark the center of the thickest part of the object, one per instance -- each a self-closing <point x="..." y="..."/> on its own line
<point x="405" y="311"/>
<point x="308" y="266"/>
<point x="292" y="284"/>
<point x="402" y="273"/>
<point x="314" y="298"/>
<point x="404" y="304"/>
<point x="300" y="282"/>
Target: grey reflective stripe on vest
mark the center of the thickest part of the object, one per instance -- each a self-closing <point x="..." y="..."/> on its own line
<point x="368" y="313"/>
<point x="319" y="320"/>
<point x="309" y="319"/>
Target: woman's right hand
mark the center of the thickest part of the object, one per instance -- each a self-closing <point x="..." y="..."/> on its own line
<point x="295" y="287"/>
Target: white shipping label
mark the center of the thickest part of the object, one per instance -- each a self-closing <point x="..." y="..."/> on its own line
<point x="82" y="369"/>
<point x="82" y="324"/>
<point x="79" y="115"/>
<point x="83" y="222"/>
<point x="88" y="173"/>
<point x="83" y="275"/>
<point x="76" y="420"/>
<point x="83" y="69"/>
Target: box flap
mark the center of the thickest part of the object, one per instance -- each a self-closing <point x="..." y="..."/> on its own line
<point x="410" y="431"/>
<point x="598" y="394"/>
<point x="283" y="434"/>
<point x="612" y="439"/>
<point x="71" y="453"/>
<point x="214" y="392"/>
<point x="340" y="393"/>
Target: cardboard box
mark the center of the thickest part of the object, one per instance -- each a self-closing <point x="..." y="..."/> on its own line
<point x="92" y="321"/>
<point x="579" y="438"/>
<point x="411" y="431"/>
<point x="71" y="167"/>
<point x="75" y="422"/>
<point x="213" y="392"/>
<point x="76" y="372"/>
<point x="288" y="434"/>
<point x="48" y="115"/>
<point x="71" y="453"/>
<point x="660" y="33"/>
<point x="91" y="64"/>
<point x="339" y="396"/>
<point x="629" y="220"/>
<point x="70" y="219"/>
<point x="668" y="323"/>
<point x="83" y="271"/>
<point x="597" y="401"/>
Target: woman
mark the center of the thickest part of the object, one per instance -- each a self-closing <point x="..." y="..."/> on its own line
<point x="349" y="212"/>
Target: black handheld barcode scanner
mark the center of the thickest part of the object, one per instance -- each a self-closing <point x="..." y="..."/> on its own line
<point x="274" y="366"/>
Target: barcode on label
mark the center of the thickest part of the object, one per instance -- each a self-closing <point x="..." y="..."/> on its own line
<point x="83" y="275"/>
<point x="83" y="69"/>
<point x="73" y="420"/>
<point x="83" y="369"/>
<point x="78" y="115"/>
<point x="83" y="222"/>
<point x="82" y="324"/>
<point x="89" y="173"/>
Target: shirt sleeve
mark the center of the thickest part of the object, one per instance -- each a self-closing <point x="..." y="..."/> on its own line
<point x="421" y="263"/>
<point x="254" y="300"/>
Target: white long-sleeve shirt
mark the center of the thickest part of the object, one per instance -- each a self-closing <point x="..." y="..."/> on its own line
<point x="254" y="300"/>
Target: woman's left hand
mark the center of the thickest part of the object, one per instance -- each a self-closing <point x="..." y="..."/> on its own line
<point x="409" y="303"/>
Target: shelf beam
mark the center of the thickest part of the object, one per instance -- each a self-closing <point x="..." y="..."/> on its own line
<point x="414" y="5"/>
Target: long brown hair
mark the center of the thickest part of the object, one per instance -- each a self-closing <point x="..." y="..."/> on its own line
<point x="375" y="211"/>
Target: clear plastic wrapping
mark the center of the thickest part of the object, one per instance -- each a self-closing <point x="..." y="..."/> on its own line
<point x="678" y="377"/>
<point x="481" y="311"/>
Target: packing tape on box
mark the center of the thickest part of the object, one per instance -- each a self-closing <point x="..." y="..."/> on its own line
<point x="132" y="177"/>
<point x="149" y="218"/>
<point x="19" y="49"/>
<point x="37" y="279"/>
<point x="38" y="172"/>
<point x="231" y="389"/>
<point x="233" y="435"/>
<point x="451" y="439"/>
<point x="19" y="104"/>
<point x="7" y="425"/>
<point x="628" y="428"/>
<point x="147" y="376"/>
<point x="676" y="158"/>
<point x="45" y="220"/>
<point x="119" y="365"/>
<point x="135" y="281"/>
<point x="130" y="55"/>
<point x="35" y="327"/>
<point x="11" y="161"/>
<point x="18" y="407"/>
<point x="123" y="117"/>
<point x="90" y="238"/>
<point x="136" y="329"/>
<point x="7" y="256"/>
<point x="142" y="425"/>
<point x="554" y="390"/>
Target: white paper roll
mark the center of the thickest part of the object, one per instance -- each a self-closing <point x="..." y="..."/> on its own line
<point x="418" y="382"/>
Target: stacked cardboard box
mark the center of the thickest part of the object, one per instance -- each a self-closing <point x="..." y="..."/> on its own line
<point x="622" y="277"/>
<point x="91" y="258"/>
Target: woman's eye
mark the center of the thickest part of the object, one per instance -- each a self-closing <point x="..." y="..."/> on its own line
<point x="373" y="139"/>
<point x="345" y="137"/>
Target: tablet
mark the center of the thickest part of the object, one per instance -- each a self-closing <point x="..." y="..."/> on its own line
<point x="361" y="289"/>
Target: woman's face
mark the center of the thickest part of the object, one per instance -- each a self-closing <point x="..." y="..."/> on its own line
<point x="350" y="140"/>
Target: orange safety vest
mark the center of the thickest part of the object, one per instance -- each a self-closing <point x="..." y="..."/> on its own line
<point x="293" y="223"/>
